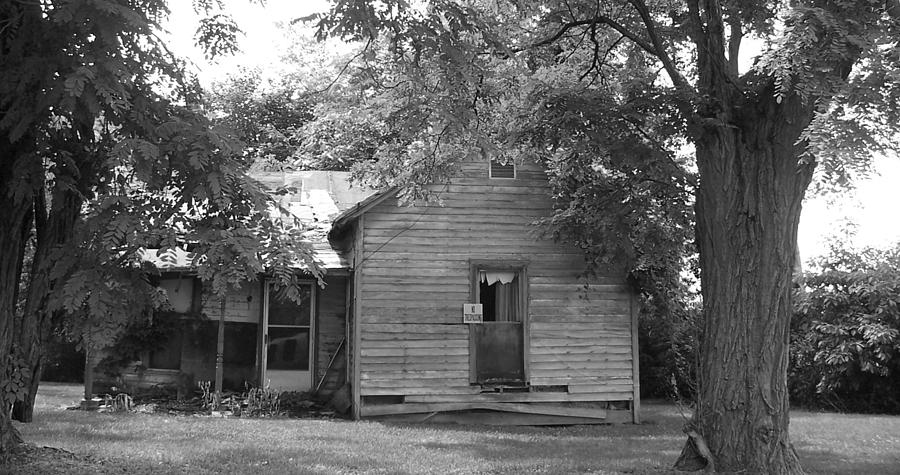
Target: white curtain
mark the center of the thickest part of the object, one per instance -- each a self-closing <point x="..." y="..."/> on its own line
<point x="491" y="277"/>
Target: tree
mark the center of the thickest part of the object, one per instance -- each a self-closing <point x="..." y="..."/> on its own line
<point x="104" y="151"/>
<point x="846" y="330"/>
<point x="454" y="74"/>
<point x="266" y="119"/>
<point x="299" y="111"/>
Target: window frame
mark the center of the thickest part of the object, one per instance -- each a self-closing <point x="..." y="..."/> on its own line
<point x="146" y="357"/>
<point x="520" y="267"/>
<point x="512" y="163"/>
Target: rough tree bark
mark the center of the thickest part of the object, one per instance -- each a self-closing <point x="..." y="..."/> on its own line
<point x="15" y="219"/>
<point x="53" y="228"/>
<point x="748" y="211"/>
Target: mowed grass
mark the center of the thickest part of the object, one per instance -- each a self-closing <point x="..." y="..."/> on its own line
<point x="154" y="443"/>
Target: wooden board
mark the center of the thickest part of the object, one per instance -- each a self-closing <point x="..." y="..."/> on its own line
<point x="516" y="397"/>
<point x="400" y="391"/>
<point x="624" y="387"/>
<point x="401" y="342"/>
<point x="522" y="408"/>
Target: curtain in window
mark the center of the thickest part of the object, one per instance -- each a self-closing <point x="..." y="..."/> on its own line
<point x="506" y="290"/>
<point x="494" y="276"/>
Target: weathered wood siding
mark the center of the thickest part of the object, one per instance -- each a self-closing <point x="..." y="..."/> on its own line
<point x="415" y="276"/>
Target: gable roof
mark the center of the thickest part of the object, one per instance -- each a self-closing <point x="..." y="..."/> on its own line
<point x="349" y="215"/>
<point x="319" y="198"/>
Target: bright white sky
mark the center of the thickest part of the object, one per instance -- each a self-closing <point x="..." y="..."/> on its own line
<point x="872" y="206"/>
<point x="261" y="44"/>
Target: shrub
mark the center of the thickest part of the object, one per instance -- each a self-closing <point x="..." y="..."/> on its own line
<point x="846" y="333"/>
<point x="668" y="334"/>
<point x="63" y="360"/>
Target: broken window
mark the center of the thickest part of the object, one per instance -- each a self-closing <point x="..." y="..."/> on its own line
<point x="499" y="295"/>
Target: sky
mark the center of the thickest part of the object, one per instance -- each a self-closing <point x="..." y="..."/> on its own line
<point x="261" y="42"/>
<point x="872" y="206"/>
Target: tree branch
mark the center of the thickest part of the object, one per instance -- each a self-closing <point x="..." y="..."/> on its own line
<point x="654" y="47"/>
<point x="696" y="23"/>
<point x="734" y="45"/>
<point x="602" y="20"/>
<point x="713" y="43"/>
<point x="344" y="69"/>
<point x="659" y="49"/>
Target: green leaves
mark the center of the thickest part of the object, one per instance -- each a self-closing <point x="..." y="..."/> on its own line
<point x="14" y="384"/>
<point x="108" y="123"/>
<point x="218" y="35"/>
<point x="847" y="329"/>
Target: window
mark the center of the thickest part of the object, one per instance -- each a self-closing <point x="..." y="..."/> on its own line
<point x="181" y="294"/>
<point x="498" y="293"/>
<point x="500" y="169"/>
<point x="239" y="357"/>
<point x="168" y="356"/>
<point x="184" y="298"/>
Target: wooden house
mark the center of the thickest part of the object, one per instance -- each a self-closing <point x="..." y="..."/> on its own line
<point x="548" y="346"/>
<point x="450" y="309"/>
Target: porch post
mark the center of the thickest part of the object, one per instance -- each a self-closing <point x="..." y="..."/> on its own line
<point x="88" y="367"/>
<point x="220" y="351"/>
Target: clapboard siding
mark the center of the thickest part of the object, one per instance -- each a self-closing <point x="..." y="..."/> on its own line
<point x="414" y="276"/>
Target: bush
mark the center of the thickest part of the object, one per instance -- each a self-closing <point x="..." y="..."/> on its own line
<point x="63" y="361"/>
<point x="668" y="341"/>
<point x="845" y="352"/>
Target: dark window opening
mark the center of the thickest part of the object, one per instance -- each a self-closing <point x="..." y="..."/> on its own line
<point x="284" y="311"/>
<point x="168" y="356"/>
<point x="499" y="296"/>
<point x="239" y="356"/>
<point x="240" y="344"/>
<point x="288" y="348"/>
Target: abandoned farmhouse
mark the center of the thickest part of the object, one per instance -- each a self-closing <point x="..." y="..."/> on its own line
<point x="450" y="308"/>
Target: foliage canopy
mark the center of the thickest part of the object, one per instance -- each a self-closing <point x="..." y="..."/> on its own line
<point x="629" y="84"/>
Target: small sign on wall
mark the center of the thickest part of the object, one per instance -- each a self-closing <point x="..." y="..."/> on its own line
<point x="472" y="313"/>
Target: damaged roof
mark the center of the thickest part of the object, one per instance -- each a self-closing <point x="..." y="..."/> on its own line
<point x="316" y="198"/>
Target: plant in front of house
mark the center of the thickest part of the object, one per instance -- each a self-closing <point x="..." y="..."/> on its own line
<point x="261" y="402"/>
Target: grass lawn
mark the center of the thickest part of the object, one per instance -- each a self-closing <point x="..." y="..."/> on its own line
<point x="154" y="443"/>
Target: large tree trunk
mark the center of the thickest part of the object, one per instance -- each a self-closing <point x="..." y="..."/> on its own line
<point x="748" y="210"/>
<point x="15" y="207"/>
<point x="53" y="228"/>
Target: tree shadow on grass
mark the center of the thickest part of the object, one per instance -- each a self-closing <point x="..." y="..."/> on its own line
<point x="651" y="447"/>
<point x="827" y="462"/>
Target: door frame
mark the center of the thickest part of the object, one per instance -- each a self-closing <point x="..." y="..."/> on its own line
<point x="264" y="330"/>
<point x="521" y="268"/>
